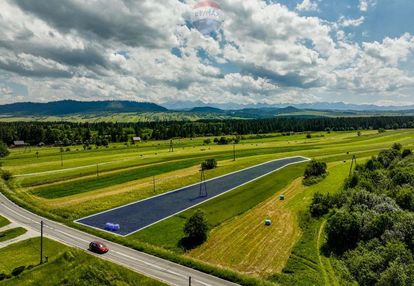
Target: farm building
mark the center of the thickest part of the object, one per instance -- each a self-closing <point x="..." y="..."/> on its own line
<point x="136" y="139"/>
<point x="19" y="143"/>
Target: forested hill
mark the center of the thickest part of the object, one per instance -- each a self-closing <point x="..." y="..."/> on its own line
<point x="131" y="111"/>
<point x="66" y="107"/>
<point x="49" y="132"/>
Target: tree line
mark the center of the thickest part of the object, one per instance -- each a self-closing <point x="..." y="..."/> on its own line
<point x="370" y="226"/>
<point x="69" y="133"/>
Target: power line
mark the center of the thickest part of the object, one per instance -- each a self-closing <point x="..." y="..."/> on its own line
<point x="354" y="162"/>
<point x="41" y="242"/>
<point x="203" y="185"/>
<point x="171" y="146"/>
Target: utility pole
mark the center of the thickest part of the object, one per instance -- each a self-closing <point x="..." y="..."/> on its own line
<point x="61" y="156"/>
<point x="354" y="161"/>
<point x="203" y="185"/>
<point x="41" y="242"/>
<point x="189" y="281"/>
<point x="171" y="146"/>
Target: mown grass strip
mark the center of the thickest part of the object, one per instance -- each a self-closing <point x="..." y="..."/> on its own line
<point x="3" y="221"/>
<point x="65" y="266"/>
<point x="11" y="233"/>
<point x="168" y="233"/>
<point x="90" y="184"/>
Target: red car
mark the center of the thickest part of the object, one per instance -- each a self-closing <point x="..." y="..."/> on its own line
<point x="98" y="247"/>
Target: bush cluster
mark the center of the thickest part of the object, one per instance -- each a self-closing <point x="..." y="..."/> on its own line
<point x="371" y="222"/>
<point x="209" y="164"/>
<point x="196" y="230"/>
<point x="224" y="140"/>
<point x="315" y="171"/>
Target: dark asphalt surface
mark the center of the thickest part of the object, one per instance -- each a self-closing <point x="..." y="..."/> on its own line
<point x="136" y="216"/>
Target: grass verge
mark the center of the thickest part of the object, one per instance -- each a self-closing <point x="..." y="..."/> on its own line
<point x="66" y="266"/>
<point x="11" y="233"/>
<point x="4" y="221"/>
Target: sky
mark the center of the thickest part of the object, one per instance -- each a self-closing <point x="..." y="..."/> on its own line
<point x="263" y="52"/>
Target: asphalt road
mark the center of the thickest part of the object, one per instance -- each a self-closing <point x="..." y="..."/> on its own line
<point x="139" y="215"/>
<point x="163" y="270"/>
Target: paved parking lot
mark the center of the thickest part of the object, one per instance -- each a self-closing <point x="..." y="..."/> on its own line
<point x="139" y="215"/>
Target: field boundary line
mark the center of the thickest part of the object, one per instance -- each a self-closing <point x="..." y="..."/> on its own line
<point x="304" y="159"/>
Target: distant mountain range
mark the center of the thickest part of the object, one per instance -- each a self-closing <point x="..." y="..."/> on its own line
<point x="96" y="109"/>
<point x="186" y="105"/>
<point x="67" y="107"/>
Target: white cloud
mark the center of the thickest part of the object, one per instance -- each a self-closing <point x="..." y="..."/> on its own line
<point x="364" y="5"/>
<point x="346" y="22"/>
<point x="307" y="5"/>
<point x="5" y="90"/>
<point x="266" y="54"/>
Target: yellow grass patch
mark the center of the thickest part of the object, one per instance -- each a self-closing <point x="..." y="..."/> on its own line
<point x="245" y="244"/>
<point x="143" y="187"/>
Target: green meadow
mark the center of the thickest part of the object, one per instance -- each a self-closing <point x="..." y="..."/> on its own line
<point x="76" y="267"/>
<point x="72" y="184"/>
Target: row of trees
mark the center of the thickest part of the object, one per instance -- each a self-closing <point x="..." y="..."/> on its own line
<point x="371" y="222"/>
<point x="67" y="133"/>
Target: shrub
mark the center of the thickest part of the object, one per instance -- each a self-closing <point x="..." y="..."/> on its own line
<point x="18" y="270"/>
<point x="2" y="276"/>
<point x="4" y="151"/>
<point x="209" y="164"/>
<point x="196" y="230"/>
<point x="397" y="146"/>
<point x="320" y="205"/>
<point x="308" y="136"/>
<point x="405" y="198"/>
<point x="6" y="175"/>
<point x="342" y="231"/>
<point x="386" y="157"/>
<point x="406" y="153"/>
<point x="207" y="141"/>
<point x="223" y="141"/>
<point x="315" y="169"/>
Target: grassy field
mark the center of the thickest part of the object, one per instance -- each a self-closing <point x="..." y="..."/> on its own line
<point x="4" y="221"/>
<point x="122" y="117"/>
<point x="194" y="116"/>
<point x="98" y="179"/>
<point x="219" y="210"/>
<point x="305" y="265"/>
<point x="11" y="233"/>
<point x="230" y="244"/>
<point x="65" y="266"/>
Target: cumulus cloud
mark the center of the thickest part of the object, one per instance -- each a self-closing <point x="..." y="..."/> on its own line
<point x="364" y="5"/>
<point x="5" y="90"/>
<point x="307" y="5"/>
<point x="146" y="51"/>
<point x="346" y="22"/>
